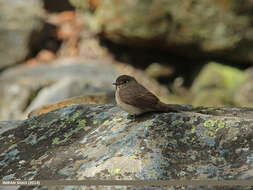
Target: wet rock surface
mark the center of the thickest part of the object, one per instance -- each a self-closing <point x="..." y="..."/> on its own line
<point x="100" y="142"/>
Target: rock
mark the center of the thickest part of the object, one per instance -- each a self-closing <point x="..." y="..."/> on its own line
<point x="16" y="29"/>
<point x="156" y="70"/>
<point x="7" y="125"/>
<point x="96" y="98"/>
<point x="244" y="95"/>
<point x="99" y="141"/>
<point x="217" y="84"/>
<point x="27" y="87"/>
<point x="9" y="188"/>
<point x="62" y="89"/>
<point x="220" y="29"/>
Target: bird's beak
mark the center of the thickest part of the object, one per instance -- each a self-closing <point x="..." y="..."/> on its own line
<point x="114" y="83"/>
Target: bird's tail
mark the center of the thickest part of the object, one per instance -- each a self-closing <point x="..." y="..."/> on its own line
<point x="167" y="107"/>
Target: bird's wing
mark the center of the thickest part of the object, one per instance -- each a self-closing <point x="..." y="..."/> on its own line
<point x="139" y="97"/>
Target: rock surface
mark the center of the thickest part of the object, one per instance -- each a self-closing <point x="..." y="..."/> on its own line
<point x="16" y="29"/>
<point x="244" y="95"/>
<point x="218" y="84"/>
<point x="193" y="28"/>
<point x="25" y="87"/>
<point x="99" y="141"/>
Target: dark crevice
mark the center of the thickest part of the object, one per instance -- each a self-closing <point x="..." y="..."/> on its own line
<point x="44" y="39"/>
<point x="57" y="5"/>
<point x="40" y="39"/>
<point x="142" y="57"/>
<point x="185" y="66"/>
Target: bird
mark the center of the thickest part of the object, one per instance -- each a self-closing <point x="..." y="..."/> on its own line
<point x="135" y="99"/>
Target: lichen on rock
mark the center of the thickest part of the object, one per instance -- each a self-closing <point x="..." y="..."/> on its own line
<point x="99" y="141"/>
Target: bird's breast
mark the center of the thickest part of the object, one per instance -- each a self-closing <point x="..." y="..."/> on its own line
<point x="127" y="107"/>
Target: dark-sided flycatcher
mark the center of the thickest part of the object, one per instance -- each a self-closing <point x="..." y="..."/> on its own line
<point x="135" y="99"/>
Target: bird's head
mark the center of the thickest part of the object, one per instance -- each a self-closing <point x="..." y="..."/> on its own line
<point x="124" y="80"/>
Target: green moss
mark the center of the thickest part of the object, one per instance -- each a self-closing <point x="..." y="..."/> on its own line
<point x="193" y="139"/>
<point x="66" y="135"/>
<point x="177" y="122"/>
<point x="118" y="119"/>
<point x="82" y="123"/>
<point x="232" y="77"/>
<point x="63" y="125"/>
<point x="106" y="122"/>
<point x="95" y="122"/>
<point x="193" y="157"/>
<point x="193" y="130"/>
<point x="210" y="133"/>
<point x="65" y="118"/>
<point x="115" y="171"/>
<point x="215" y="75"/>
<point x="56" y="141"/>
<point x="218" y="83"/>
<point x="32" y="127"/>
<point x="75" y="116"/>
<point x="209" y="123"/>
<point x="148" y="123"/>
<point x="133" y="157"/>
<point x="129" y="116"/>
<point x="221" y="125"/>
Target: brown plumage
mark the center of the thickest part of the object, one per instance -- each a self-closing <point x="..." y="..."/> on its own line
<point x="136" y="99"/>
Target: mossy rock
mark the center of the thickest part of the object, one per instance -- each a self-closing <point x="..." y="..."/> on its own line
<point x="216" y="85"/>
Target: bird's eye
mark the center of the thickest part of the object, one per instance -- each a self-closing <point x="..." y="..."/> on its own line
<point x="126" y="81"/>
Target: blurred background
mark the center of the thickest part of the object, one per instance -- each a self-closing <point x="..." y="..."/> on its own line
<point x="186" y="52"/>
